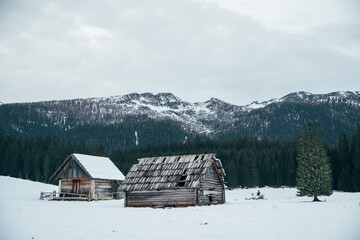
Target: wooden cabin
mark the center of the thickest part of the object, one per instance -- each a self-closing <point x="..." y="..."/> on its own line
<point x="88" y="177"/>
<point x="172" y="181"/>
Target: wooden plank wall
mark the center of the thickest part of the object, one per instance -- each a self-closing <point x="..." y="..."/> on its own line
<point x="72" y="170"/>
<point x="100" y="189"/>
<point x="211" y="188"/>
<point x="75" y="185"/>
<point x="161" y="198"/>
<point x="104" y="189"/>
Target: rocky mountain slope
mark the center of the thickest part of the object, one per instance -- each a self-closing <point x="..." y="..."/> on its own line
<point x="284" y="118"/>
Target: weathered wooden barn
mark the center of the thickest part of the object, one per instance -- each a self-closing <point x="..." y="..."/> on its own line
<point x="172" y="181"/>
<point x="88" y="177"/>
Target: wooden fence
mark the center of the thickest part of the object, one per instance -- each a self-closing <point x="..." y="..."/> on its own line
<point x="74" y="196"/>
<point x="44" y="195"/>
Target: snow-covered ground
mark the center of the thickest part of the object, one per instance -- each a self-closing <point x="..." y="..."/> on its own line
<point x="281" y="216"/>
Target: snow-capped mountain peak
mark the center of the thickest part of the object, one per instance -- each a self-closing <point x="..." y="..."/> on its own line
<point x="201" y="117"/>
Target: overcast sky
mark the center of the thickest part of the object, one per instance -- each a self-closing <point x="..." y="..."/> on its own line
<point x="235" y="50"/>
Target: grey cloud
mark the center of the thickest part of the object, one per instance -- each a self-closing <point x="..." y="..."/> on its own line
<point x="194" y="49"/>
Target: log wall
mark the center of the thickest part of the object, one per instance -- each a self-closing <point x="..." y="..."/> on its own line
<point x="104" y="189"/>
<point x="161" y="198"/>
<point x="75" y="185"/>
<point x="211" y="190"/>
<point x="98" y="189"/>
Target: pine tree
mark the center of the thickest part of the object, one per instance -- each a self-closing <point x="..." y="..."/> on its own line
<point x="314" y="172"/>
<point x="101" y="151"/>
<point x="356" y="161"/>
<point x="46" y="168"/>
<point x="276" y="175"/>
<point x="253" y="170"/>
<point x="27" y="163"/>
<point x="36" y="168"/>
<point x="244" y="176"/>
<point x="345" y="176"/>
<point x="231" y="174"/>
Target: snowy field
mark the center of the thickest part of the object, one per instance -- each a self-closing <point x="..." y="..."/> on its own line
<point x="281" y="216"/>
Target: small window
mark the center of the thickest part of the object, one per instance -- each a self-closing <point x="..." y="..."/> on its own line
<point x="211" y="198"/>
<point x="182" y="179"/>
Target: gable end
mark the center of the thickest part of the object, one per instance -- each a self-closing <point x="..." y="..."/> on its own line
<point x="71" y="168"/>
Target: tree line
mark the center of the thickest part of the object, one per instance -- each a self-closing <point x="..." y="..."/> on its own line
<point x="247" y="162"/>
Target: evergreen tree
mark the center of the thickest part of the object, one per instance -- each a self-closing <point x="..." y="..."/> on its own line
<point x="36" y="168"/>
<point x="27" y="163"/>
<point x="243" y="175"/>
<point x="46" y="168"/>
<point x="344" y="159"/>
<point x="101" y="151"/>
<point x="254" y="173"/>
<point x="231" y="174"/>
<point x="276" y="175"/>
<point x="356" y="161"/>
<point x="314" y="172"/>
<point x="290" y="170"/>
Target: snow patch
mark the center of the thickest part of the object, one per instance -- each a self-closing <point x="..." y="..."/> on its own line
<point x="281" y="216"/>
<point x="136" y="138"/>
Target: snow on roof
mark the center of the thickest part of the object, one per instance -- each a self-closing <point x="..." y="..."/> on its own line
<point x="99" y="167"/>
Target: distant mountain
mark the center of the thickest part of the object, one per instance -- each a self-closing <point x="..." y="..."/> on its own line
<point x="164" y="117"/>
<point x="283" y="119"/>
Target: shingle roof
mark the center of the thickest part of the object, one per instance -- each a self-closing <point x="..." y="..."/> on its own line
<point x="166" y="172"/>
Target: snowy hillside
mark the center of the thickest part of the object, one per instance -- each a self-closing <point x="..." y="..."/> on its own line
<point x="281" y="216"/>
<point x="164" y="118"/>
<point x="207" y="117"/>
<point x="349" y="98"/>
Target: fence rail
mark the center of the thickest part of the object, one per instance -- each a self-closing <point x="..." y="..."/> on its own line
<point x="75" y="196"/>
<point x="44" y="195"/>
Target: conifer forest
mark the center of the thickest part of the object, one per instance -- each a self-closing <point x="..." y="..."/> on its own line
<point x="247" y="162"/>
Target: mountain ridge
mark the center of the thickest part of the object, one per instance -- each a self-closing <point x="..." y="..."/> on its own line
<point x="294" y="96"/>
<point x="213" y="118"/>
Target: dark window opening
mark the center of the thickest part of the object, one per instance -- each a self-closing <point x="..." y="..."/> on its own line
<point x="196" y="157"/>
<point x="181" y="182"/>
<point x="202" y="158"/>
<point x="182" y="178"/>
<point x="211" y="198"/>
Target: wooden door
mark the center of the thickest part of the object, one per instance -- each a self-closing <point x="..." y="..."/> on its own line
<point x="76" y="186"/>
